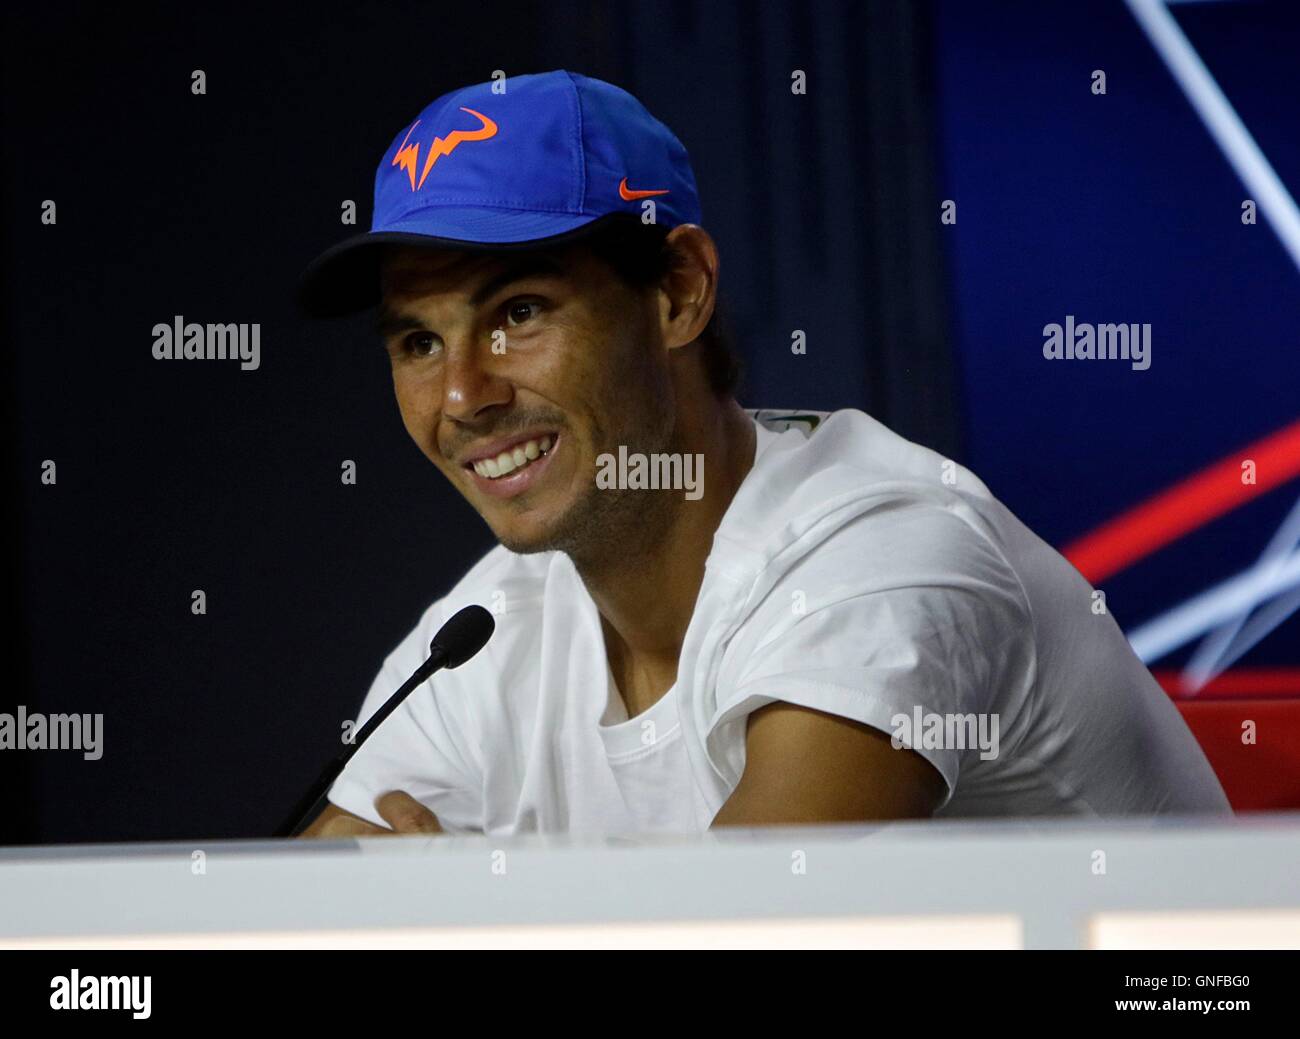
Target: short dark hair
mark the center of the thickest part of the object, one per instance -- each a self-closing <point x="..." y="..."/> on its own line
<point x="640" y="254"/>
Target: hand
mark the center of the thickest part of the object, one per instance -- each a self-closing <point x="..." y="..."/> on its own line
<point x="402" y="812"/>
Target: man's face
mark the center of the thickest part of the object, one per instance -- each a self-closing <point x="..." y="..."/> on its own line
<point x="513" y="372"/>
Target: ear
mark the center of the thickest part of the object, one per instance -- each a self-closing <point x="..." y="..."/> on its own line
<point x="689" y="292"/>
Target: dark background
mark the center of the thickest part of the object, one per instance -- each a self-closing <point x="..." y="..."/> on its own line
<point x="181" y="476"/>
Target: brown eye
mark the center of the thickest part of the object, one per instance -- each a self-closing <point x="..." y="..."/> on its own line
<point x="422" y="344"/>
<point x="518" y="313"/>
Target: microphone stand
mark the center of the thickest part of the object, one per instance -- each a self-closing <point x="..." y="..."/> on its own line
<point x="457" y="640"/>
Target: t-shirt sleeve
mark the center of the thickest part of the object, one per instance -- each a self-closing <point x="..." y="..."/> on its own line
<point x="422" y="747"/>
<point x="895" y="612"/>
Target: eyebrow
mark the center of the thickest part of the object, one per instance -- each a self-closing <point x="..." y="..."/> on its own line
<point x="530" y="267"/>
<point x="390" y="322"/>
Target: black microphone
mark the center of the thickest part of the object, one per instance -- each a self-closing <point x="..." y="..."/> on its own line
<point x="459" y="639"/>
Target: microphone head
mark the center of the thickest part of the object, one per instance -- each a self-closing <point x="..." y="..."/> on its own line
<point x="463" y="635"/>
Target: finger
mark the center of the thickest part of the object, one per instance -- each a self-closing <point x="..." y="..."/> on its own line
<point x="405" y="814"/>
<point x="350" y="826"/>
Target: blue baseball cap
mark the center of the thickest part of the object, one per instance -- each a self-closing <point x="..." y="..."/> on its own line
<point x="531" y="161"/>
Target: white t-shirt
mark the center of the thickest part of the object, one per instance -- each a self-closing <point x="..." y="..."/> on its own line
<point x="855" y="573"/>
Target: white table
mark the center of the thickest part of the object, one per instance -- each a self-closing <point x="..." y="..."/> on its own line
<point x="1033" y="884"/>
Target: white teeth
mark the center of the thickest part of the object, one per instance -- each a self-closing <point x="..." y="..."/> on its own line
<point x="516" y="458"/>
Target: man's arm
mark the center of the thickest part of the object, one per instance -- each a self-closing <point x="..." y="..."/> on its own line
<point x="402" y="812"/>
<point x="806" y="766"/>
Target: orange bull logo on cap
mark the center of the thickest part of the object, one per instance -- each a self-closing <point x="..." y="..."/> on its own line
<point x="408" y="155"/>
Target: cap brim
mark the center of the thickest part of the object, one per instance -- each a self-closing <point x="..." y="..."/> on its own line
<point x="344" y="279"/>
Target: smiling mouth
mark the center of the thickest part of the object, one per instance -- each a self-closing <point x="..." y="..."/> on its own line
<point x="519" y="457"/>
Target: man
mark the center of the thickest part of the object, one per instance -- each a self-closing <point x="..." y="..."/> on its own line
<point x="703" y="619"/>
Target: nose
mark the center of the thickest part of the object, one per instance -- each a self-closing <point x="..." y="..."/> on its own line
<point x="471" y="385"/>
